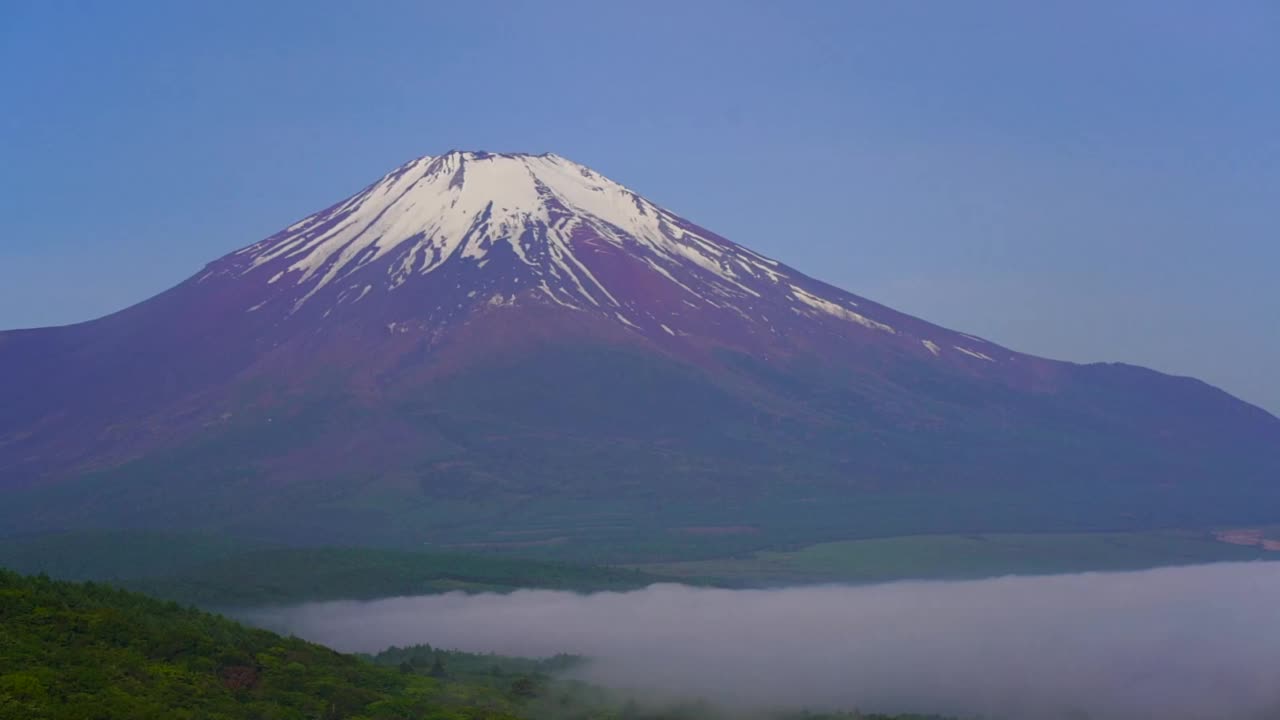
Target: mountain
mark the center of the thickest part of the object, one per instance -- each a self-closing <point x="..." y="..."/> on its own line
<point x="505" y="350"/>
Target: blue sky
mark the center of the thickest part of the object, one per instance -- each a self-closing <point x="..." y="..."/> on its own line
<point x="1086" y="180"/>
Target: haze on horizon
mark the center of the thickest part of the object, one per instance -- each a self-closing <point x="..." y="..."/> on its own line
<point x="1092" y="182"/>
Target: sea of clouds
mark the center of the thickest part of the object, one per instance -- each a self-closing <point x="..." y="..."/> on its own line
<point x="1172" y="643"/>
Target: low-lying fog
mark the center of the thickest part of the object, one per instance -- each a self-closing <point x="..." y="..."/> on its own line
<point x="1173" y="643"/>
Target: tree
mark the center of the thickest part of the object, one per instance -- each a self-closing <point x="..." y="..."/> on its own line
<point x="524" y="687"/>
<point x="437" y="668"/>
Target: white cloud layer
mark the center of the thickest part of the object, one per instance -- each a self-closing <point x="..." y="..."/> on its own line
<point x="1173" y="644"/>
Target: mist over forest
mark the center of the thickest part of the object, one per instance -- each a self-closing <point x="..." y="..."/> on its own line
<point x="1173" y="643"/>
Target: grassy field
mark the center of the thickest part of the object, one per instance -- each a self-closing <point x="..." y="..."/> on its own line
<point x="962" y="556"/>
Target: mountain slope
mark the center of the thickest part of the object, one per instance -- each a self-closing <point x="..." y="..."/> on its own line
<point x="480" y="344"/>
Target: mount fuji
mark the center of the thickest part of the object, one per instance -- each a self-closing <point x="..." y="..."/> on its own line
<point x="497" y="350"/>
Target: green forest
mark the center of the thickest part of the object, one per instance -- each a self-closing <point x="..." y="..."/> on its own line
<point x="218" y="572"/>
<point x="90" y="651"/>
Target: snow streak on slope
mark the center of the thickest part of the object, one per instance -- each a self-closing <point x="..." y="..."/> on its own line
<point x="536" y="224"/>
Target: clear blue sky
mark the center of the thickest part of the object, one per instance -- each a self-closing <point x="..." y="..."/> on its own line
<point x="1083" y="180"/>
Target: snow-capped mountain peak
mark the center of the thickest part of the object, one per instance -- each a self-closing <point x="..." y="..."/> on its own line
<point x="462" y="204"/>
<point x="477" y="229"/>
<point x="516" y="334"/>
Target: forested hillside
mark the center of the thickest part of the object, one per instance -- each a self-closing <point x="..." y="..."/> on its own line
<point x="91" y="651"/>
<point x="218" y="572"/>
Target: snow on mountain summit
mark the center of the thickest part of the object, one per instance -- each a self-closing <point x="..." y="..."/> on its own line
<point x="479" y="228"/>
<point x="462" y="204"/>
